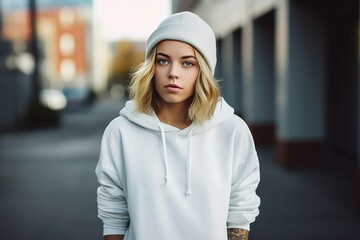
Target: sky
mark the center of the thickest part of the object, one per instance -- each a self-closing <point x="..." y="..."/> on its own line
<point x="129" y="19"/>
<point x="43" y="3"/>
<point x="118" y="19"/>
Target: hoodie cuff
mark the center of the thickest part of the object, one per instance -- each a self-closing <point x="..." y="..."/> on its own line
<point x="112" y="231"/>
<point x="244" y="226"/>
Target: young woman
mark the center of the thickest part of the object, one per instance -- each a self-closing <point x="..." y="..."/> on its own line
<point x="177" y="163"/>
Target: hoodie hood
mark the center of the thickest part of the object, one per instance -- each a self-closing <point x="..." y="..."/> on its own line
<point x="150" y="121"/>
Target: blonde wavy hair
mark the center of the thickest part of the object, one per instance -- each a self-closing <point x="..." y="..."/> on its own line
<point x="205" y="98"/>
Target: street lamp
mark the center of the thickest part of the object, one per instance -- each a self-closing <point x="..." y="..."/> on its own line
<point x="35" y="51"/>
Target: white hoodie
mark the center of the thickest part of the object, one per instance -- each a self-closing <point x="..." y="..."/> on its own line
<point x="160" y="182"/>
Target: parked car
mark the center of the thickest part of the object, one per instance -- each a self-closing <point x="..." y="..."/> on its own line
<point x="79" y="95"/>
<point x="54" y="99"/>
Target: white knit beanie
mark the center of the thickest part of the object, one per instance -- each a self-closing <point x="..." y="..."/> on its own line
<point x="189" y="28"/>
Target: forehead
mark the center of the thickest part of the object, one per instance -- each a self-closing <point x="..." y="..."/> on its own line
<point x="173" y="47"/>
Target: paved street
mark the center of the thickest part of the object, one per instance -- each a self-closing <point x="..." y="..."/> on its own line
<point x="313" y="204"/>
<point x="48" y="187"/>
<point x="47" y="179"/>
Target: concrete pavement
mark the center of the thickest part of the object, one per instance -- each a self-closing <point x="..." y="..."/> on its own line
<point x="305" y="204"/>
<point x="47" y="179"/>
<point x="48" y="187"/>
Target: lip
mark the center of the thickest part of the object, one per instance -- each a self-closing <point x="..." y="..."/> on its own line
<point x="172" y="88"/>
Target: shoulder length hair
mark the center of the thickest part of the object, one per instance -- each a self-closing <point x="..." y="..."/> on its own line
<point x="205" y="98"/>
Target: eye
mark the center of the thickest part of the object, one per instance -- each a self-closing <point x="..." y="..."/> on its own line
<point x="162" y="61"/>
<point x="188" y="64"/>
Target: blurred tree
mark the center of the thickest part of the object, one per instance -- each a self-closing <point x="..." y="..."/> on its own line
<point x="127" y="56"/>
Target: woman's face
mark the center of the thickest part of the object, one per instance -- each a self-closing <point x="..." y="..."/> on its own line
<point x="176" y="71"/>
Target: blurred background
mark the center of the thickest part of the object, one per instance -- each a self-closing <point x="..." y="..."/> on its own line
<point x="290" y="68"/>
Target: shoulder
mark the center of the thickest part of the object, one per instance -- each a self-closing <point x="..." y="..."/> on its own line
<point x="236" y="123"/>
<point x="116" y="125"/>
<point x="118" y="122"/>
<point x="240" y="130"/>
<point x="243" y="134"/>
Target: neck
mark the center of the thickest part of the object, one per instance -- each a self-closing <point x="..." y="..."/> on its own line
<point x="174" y="114"/>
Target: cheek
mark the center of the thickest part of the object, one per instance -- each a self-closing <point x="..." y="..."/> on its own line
<point x="194" y="86"/>
<point x="160" y="72"/>
<point x="156" y="82"/>
<point x="157" y="77"/>
<point x="194" y="78"/>
<point x="191" y="86"/>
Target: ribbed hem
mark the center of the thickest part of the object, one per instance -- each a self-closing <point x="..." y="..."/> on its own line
<point x="113" y="231"/>
<point x="245" y="226"/>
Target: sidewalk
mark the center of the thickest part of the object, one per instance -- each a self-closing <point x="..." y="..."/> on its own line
<point x="305" y="204"/>
<point x="47" y="179"/>
<point x="48" y="188"/>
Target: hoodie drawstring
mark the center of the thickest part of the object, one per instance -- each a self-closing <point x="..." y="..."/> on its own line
<point x="163" y="139"/>
<point x="188" y="161"/>
<point x="188" y="167"/>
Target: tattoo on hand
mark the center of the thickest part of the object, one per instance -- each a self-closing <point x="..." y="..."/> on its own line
<point x="237" y="234"/>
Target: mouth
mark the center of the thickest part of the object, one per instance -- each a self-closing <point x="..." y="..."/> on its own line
<point x="172" y="86"/>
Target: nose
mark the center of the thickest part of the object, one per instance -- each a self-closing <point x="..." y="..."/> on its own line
<point x="173" y="72"/>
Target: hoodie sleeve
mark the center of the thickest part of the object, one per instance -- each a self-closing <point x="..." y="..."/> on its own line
<point x="112" y="205"/>
<point x="244" y="202"/>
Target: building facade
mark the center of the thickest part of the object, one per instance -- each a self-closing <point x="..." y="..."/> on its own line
<point x="71" y="57"/>
<point x="290" y="68"/>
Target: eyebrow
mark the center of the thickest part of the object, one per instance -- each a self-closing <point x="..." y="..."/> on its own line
<point x="183" y="57"/>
